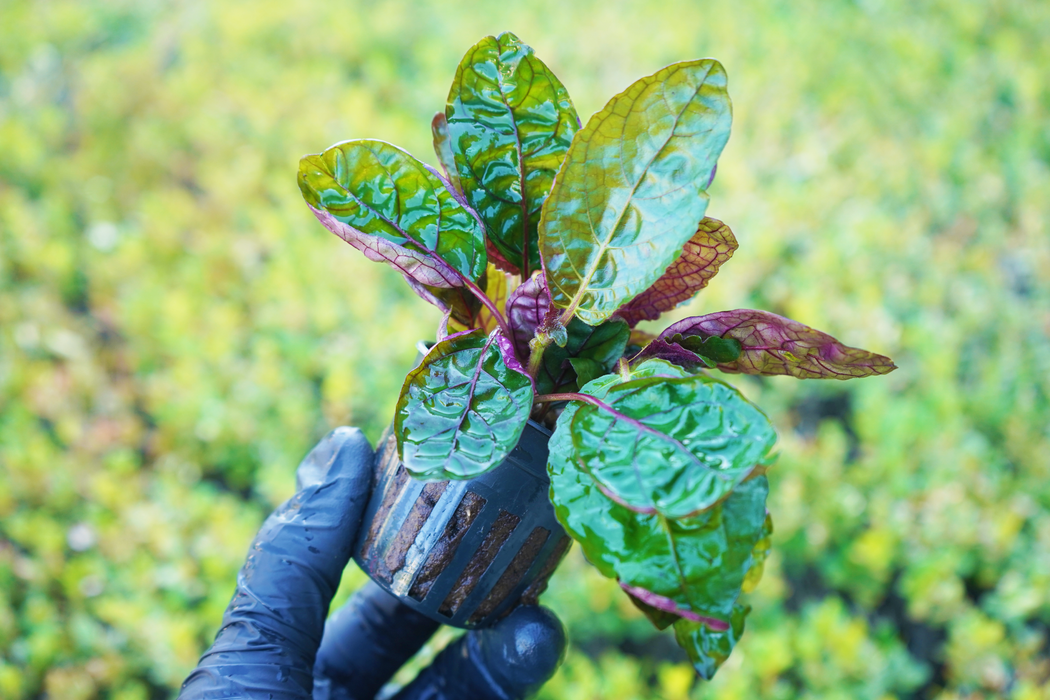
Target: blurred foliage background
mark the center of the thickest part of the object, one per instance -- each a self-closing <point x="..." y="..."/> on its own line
<point x="176" y="330"/>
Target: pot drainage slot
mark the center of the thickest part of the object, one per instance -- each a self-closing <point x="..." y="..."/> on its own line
<point x="479" y="563"/>
<point x="445" y="548"/>
<point x="513" y="574"/>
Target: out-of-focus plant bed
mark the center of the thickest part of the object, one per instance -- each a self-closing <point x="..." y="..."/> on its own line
<point x="175" y="331"/>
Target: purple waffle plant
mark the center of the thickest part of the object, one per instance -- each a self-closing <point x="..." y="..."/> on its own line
<point x="544" y="242"/>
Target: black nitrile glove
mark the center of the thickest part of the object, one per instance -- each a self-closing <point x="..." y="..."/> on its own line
<point x="274" y="643"/>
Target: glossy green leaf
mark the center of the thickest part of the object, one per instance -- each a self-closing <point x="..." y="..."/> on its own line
<point x="759" y="555"/>
<point x="604" y="345"/>
<point x="704" y="253"/>
<point x="510" y="123"/>
<point x="394" y="209"/>
<point x="633" y="188"/>
<point x="709" y="648"/>
<point x="586" y="369"/>
<point x="443" y="150"/>
<point x="772" y="344"/>
<point x="673" y="445"/>
<point x="463" y="409"/>
<point x="699" y="562"/>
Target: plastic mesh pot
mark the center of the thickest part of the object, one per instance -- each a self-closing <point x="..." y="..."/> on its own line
<point x="464" y="553"/>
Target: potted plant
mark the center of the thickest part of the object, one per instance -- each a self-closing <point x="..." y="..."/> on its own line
<point x="545" y="242"/>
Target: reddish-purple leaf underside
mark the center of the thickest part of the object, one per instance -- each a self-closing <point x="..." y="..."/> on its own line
<point x="526" y="308"/>
<point x="776" y="345"/>
<point x="711" y="245"/>
<point x="422" y="267"/>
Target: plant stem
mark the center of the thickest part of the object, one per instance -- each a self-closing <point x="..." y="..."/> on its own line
<point x="570" y="396"/>
<point x="538" y="346"/>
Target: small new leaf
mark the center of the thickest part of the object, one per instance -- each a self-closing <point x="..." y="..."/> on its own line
<point x="711" y="245"/>
<point x="772" y="344"/>
<point x="392" y="208"/>
<point x="632" y="188"/>
<point x="510" y="122"/>
<point x="463" y="409"/>
<point x="604" y="345"/>
<point x="526" y="308"/>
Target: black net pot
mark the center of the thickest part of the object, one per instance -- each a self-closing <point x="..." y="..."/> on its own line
<point x="464" y="553"/>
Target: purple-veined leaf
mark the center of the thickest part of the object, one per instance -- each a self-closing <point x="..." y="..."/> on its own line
<point x="670" y="443"/>
<point x="711" y="245"/>
<point x="633" y="187"/>
<point x="394" y="209"/>
<point x="773" y="344"/>
<point x="510" y="122"/>
<point x="699" y="562"/>
<point x="463" y="409"/>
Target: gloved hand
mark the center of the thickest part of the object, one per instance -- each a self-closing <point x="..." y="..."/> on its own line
<point x="274" y="642"/>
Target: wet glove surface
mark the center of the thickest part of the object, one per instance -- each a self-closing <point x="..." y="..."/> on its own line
<point x="274" y="642"/>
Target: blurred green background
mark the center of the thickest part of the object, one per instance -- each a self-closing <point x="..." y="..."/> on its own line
<point x="176" y="330"/>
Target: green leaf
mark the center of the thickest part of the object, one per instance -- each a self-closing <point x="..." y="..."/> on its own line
<point x="704" y="253"/>
<point x="698" y="562"/>
<point x="463" y="409"/>
<point x="443" y="150"/>
<point x="510" y="123"/>
<point x="691" y="351"/>
<point x="604" y="344"/>
<point x="586" y="369"/>
<point x="708" y="648"/>
<point x="672" y="445"/>
<point x="758" y="556"/>
<point x="394" y="209"/>
<point x="632" y="188"/>
<point x="772" y="345"/>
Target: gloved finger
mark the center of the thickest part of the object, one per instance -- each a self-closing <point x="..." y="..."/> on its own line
<point x="508" y="661"/>
<point x="365" y="643"/>
<point x="273" y="625"/>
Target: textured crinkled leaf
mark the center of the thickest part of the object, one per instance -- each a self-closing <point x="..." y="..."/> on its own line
<point x="709" y="648"/>
<point x="669" y="445"/>
<point x="605" y="344"/>
<point x="633" y="187"/>
<point x="526" y="308"/>
<point x="463" y="409"/>
<point x="776" y="345"/>
<point x="711" y="245"/>
<point x="510" y="123"/>
<point x="758" y="556"/>
<point x="394" y="209"/>
<point x="496" y="290"/>
<point x="697" y="562"/>
<point x="443" y="151"/>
